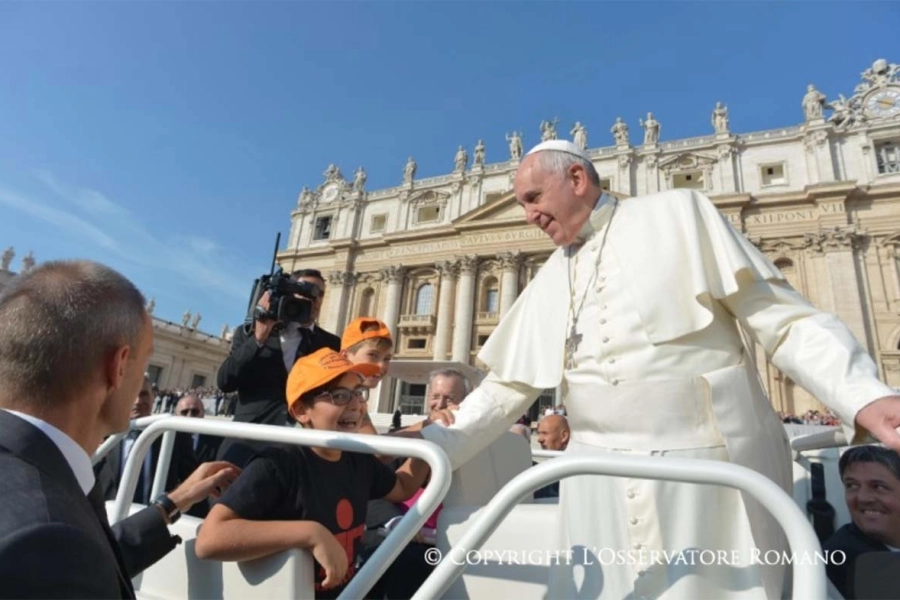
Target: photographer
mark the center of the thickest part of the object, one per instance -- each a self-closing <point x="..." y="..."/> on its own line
<point x="262" y="354"/>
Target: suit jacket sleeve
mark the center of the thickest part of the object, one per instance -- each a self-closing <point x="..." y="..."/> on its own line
<point x="244" y="349"/>
<point x="56" y="561"/>
<point x="143" y="539"/>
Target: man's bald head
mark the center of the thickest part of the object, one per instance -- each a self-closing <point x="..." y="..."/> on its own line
<point x="190" y="406"/>
<point x="553" y="432"/>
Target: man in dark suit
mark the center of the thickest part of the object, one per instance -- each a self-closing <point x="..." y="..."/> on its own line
<point x="261" y="357"/>
<point x="110" y="469"/>
<point x="203" y="446"/>
<point x="74" y="342"/>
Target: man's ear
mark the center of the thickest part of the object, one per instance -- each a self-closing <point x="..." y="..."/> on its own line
<point x="343" y="353"/>
<point x="116" y="366"/>
<point x="579" y="178"/>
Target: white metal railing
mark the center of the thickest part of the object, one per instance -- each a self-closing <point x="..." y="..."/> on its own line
<point x="387" y="552"/>
<point x="165" y="451"/>
<point x="546" y="453"/>
<point x="833" y="438"/>
<point x="808" y="576"/>
<point x="110" y="442"/>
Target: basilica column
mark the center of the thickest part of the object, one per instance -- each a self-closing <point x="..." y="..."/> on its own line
<point x="444" y="325"/>
<point x="835" y="250"/>
<point x="381" y="399"/>
<point x="509" y="281"/>
<point x="393" y="275"/>
<point x="465" y="297"/>
<point x="338" y="282"/>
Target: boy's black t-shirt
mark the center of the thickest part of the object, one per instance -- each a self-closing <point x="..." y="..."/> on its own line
<point x="296" y="484"/>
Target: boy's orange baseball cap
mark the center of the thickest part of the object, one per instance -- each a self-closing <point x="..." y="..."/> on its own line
<point x="364" y="328"/>
<point x="319" y="368"/>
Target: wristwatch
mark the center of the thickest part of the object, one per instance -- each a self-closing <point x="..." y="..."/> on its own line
<point x="168" y="507"/>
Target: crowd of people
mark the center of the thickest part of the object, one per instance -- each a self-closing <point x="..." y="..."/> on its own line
<point x="642" y="339"/>
<point x="812" y="417"/>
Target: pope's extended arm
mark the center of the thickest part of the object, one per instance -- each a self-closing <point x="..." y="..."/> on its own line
<point x="483" y="417"/>
<point x="815" y="349"/>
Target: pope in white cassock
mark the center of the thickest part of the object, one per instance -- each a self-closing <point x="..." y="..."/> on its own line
<point x="636" y="316"/>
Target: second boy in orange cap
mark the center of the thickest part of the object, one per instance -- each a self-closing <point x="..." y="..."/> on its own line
<point x="305" y="497"/>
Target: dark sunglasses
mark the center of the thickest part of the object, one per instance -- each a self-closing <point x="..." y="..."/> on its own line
<point x="193" y="412"/>
<point x="342" y="396"/>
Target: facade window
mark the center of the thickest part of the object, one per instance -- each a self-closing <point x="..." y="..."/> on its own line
<point x="323" y="228"/>
<point x="154" y="374"/>
<point x="416" y="343"/>
<point x="379" y="222"/>
<point x="424" y="299"/>
<point x="482" y="340"/>
<point x="198" y="381"/>
<point x="689" y="181"/>
<point x="428" y="214"/>
<point x="490" y="302"/>
<point x="887" y="155"/>
<point x="365" y="302"/>
<point x="785" y="265"/>
<point x="606" y="183"/>
<point x="772" y="174"/>
<point x="412" y="398"/>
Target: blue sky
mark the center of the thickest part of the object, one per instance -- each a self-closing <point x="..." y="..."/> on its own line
<point x="170" y="140"/>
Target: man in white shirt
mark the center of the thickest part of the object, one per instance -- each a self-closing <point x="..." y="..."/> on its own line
<point x="74" y="343"/>
<point x="634" y="316"/>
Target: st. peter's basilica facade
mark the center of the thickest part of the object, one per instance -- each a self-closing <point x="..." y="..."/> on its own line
<point x="442" y="259"/>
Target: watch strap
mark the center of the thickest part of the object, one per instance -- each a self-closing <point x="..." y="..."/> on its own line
<point x="169" y="507"/>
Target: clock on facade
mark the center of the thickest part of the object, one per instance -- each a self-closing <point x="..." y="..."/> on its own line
<point x="883" y="103"/>
<point x="329" y="194"/>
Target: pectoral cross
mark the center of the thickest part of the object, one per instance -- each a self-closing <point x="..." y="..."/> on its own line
<point x="572" y="346"/>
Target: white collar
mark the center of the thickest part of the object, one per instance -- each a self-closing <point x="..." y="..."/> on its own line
<point x="78" y="460"/>
<point x="599" y="217"/>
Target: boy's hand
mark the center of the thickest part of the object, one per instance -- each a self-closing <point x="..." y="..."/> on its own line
<point x="331" y="556"/>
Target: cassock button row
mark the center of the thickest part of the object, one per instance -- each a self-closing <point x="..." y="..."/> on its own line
<point x="637" y="546"/>
<point x="603" y="307"/>
<point x="630" y="494"/>
<point x="633" y="520"/>
<point x="603" y="321"/>
<point x="612" y="361"/>
<point x="615" y="382"/>
<point x="605" y="339"/>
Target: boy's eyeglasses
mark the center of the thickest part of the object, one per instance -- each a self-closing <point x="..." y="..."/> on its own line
<point x="342" y="396"/>
<point x="189" y="412"/>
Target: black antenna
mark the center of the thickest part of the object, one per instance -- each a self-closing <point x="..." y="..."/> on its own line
<point x="275" y="253"/>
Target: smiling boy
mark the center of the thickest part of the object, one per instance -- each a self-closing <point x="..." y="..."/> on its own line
<point x="310" y="497"/>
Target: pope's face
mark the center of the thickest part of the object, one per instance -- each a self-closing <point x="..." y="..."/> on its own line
<point x="555" y="202"/>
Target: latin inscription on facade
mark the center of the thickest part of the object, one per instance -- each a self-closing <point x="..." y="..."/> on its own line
<point x="461" y="244"/>
<point x="793" y="216"/>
